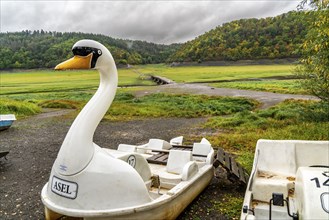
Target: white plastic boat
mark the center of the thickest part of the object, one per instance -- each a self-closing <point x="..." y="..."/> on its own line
<point x="289" y="180"/>
<point x="6" y="121"/>
<point x="143" y="183"/>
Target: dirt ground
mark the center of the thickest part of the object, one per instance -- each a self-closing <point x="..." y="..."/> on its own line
<point x="34" y="143"/>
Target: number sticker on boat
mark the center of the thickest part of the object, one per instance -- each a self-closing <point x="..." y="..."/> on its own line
<point x="325" y="201"/>
<point x="64" y="188"/>
<point x="131" y="160"/>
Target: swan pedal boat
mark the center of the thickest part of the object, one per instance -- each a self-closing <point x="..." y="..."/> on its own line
<point x="132" y="182"/>
<point x="289" y="180"/>
<point x="167" y="177"/>
<point x="6" y="121"/>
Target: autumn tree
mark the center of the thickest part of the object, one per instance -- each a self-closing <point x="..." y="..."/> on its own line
<point x="314" y="68"/>
<point x="265" y="38"/>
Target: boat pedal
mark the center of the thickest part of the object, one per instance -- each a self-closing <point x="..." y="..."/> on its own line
<point x="156" y="182"/>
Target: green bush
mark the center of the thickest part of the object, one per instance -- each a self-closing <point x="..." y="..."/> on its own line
<point x="123" y="96"/>
<point x="19" y="108"/>
<point x="188" y="106"/>
<point x="66" y="104"/>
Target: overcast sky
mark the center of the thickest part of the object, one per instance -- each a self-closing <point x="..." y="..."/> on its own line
<point x="153" y="21"/>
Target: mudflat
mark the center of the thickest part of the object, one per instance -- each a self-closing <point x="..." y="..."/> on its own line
<point x="34" y="143"/>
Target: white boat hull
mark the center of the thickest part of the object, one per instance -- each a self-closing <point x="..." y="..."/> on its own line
<point x="6" y="121"/>
<point x="289" y="180"/>
<point x="169" y="207"/>
<point x="146" y="190"/>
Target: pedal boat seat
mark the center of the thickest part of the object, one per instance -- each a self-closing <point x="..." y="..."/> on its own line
<point x="180" y="167"/>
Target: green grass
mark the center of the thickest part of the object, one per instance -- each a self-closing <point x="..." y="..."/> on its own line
<point x="229" y="204"/>
<point x="66" y="104"/>
<point x="276" y="86"/>
<point x="213" y="73"/>
<point x="72" y="89"/>
<point x="42" y="81"/>
<point x="49" y="81"/>
<point x="239" y="132"/>
<point x="78" y="96"/>
<point x="19" y="108"/>
<point x="56" y="89"/>
<point x="192" y="74"/>
<point x="126" y="106"/>
<point x="297" y="120"/>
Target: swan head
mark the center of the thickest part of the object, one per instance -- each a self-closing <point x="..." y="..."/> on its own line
<point x="88" y="54"/>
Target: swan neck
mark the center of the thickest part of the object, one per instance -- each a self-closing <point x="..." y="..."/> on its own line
<point x="78" y="148"/>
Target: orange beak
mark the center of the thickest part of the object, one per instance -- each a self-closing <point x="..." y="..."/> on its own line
<point x="76" y="62"/>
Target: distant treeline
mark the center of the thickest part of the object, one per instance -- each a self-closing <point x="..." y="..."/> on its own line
<point x="249" y="39"/>
<point x="266" y="38"/>
<point x="41" y="49"/>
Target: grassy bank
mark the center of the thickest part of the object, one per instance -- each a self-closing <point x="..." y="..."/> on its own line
<point x="292" y="119"/>
<point x="72" y="89"/>
<point x="126" y="106"/>
<point x="238" y="134"/>
<point x="49" y="81"/>
<point x="42" y="81"/>
<point x="276" y="86"/>
<point x="213" y="73"/>
<point x="20" y="108"/>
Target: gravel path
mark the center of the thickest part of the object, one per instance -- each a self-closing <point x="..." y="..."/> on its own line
<point x="34" y="143"/>
<point x="267" y="99"/>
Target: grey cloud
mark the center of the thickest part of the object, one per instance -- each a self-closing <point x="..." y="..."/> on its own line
<point x="155" y="21"/>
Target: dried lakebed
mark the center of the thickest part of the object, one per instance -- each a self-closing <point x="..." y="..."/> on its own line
<point x="34" y="143"/>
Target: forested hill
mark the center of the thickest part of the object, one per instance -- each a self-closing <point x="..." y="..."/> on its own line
<point x="39" y="49"/>
<point x="266" y="38"/>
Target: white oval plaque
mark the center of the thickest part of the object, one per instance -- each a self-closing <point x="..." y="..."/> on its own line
<point x="64" y="188"/>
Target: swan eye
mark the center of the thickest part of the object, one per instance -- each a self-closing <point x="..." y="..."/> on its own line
<point x="85" y="51"/>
